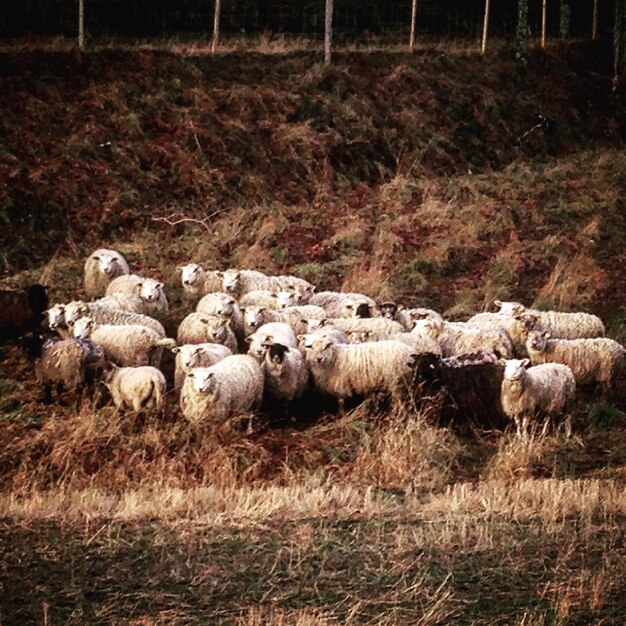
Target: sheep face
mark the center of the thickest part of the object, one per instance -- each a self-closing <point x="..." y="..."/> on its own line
<point x="538" y="340"/>
<point x="515" y="369"/>
<point x="108" y="264"/>
<point x="510" y="308"/>
<point x="150" y="290"/>
<point x="83" y="328"/>
<point x="203" y="380"/>
<point x="253" y="316"/>
<point x="219" y="333"/>
<point x="359" y="336"/>
<point x="321" y="352"/>
<point x="230" y="280"/>
<point x="56" y="316"/>
<point x="389" y="310"/>
<point x="226" y="307"/>
<point x="189" y="355"/>
<point x="190" y="274"/>
<point x="74" y="311"/>
<point x="276" y="353"/>
<point x="287" y="298"/>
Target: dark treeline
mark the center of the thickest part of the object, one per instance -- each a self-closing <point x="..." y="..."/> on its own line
<point x="353" y="18"/>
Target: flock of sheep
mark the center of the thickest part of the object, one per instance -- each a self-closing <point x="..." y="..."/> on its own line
<point x="253" y="337"/>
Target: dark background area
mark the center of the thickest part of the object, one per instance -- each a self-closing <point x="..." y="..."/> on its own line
<point x="353" y="18"/>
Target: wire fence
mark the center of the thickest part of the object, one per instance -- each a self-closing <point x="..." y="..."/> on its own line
<point x="354" y="20"/>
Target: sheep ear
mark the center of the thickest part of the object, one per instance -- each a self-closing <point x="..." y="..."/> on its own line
<point x="176" y="350"/>
<point x="525" y="362"/>
<point x="328" y="344"/>
<point x="497" y="303"/>
<point x="160" y="285"/>
<point x="219" y="274"/>
<point x="300" y="337"/>
<point x="349" y="306"/>
<point x="95" y="258"/>
<point x="324" y="322"/>
<point x="262" y="309"/>
<point x="204" y="320"/>
<point x="249" y="339"/>
<point x="274" y="295"/>
<point x="198" y="351"/>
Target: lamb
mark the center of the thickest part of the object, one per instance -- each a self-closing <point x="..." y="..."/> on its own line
<point x="22" y="310"/>
<point x="295" y="316"/>
<point x="379" y="327"/>
<point x="274" y="332"/>
<point x="343" y="370"/>
<point x="126" y="345"/>
<point x="344" y="304"/>
<point x="104" y="315"/>
<point x="457" y="338"/>
<point x="69" y="364"/>
<point x="101" y="267"/>
<point x="592" y="360"/>
<point x="198" y="281"/>
<point x="148" y="289"/>
<point x="193" y="355"/>
<point x="233" y="385"/>
<point x="559" y="324"/>
<point x="220" y="303"/>
<point x="136" y="388"/>
<point x="542" y="389"/>
<point x="286" y="372"/>
<point x="202" y="328"/>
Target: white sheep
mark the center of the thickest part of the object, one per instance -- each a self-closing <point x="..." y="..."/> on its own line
<point x="457" y="338"/>
<point x="233" y="385"/>
<point x="592" y="359"/>
<point x="286" y="372"/>
<point x="126" y="345"/>
<point x="220" y="303"/>
<point x="124" y="302"/>
<point x="260" y="297"/>
<point x="560" y="324"/>
<point x="69" y="363"/>
<point x="529" y="391"/>
<point x="516" y="328"/>
<point x="378" y="327"/>
<point x="193" y="355"/>
<point x="101" y="267"/>
<point x="241" y="282"/>
<point x="102" y="314"/>
<point x="55" y="316"/>
<point x="136" y="388"/>
<point x="198" y="281"/>
<point x="296" y="316"/>
<point x="202" y="328"/>
<point x="148" y="289"/>
<point x="274" y="332"/>
<point x="343" y="370"/>
<point x="345" y="304"/>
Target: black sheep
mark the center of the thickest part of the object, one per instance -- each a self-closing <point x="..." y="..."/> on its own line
<point x="22" y="310"/>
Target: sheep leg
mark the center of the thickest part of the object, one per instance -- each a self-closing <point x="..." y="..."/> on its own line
<point x="47" y="393"/>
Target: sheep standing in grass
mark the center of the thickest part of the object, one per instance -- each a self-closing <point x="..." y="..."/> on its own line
<point x="456" y="338"/>
<point x="343" y="370"/>
<point x="592" y="360"/>
<point x="69" y="364"/>
<point x="559" y="324"/>
<point x="101" y="267"/>
<point x="198" y="281"/>
<point x="127" y="345"/>
<point x="542" y="389"/>
<point x="104" y="315"/>
<point x="274" y="332"/>
<point x="136" y="388"/>
<point x="233" y="385"/>
<point x="196" y="355"/>
<point x="22" y="310"/>
<point x="148" y="289"/>
<point x="203" y="328"/>
<point x="286" y="372"/>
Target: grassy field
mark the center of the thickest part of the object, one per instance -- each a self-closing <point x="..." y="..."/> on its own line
<point x="402" y="176"/>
